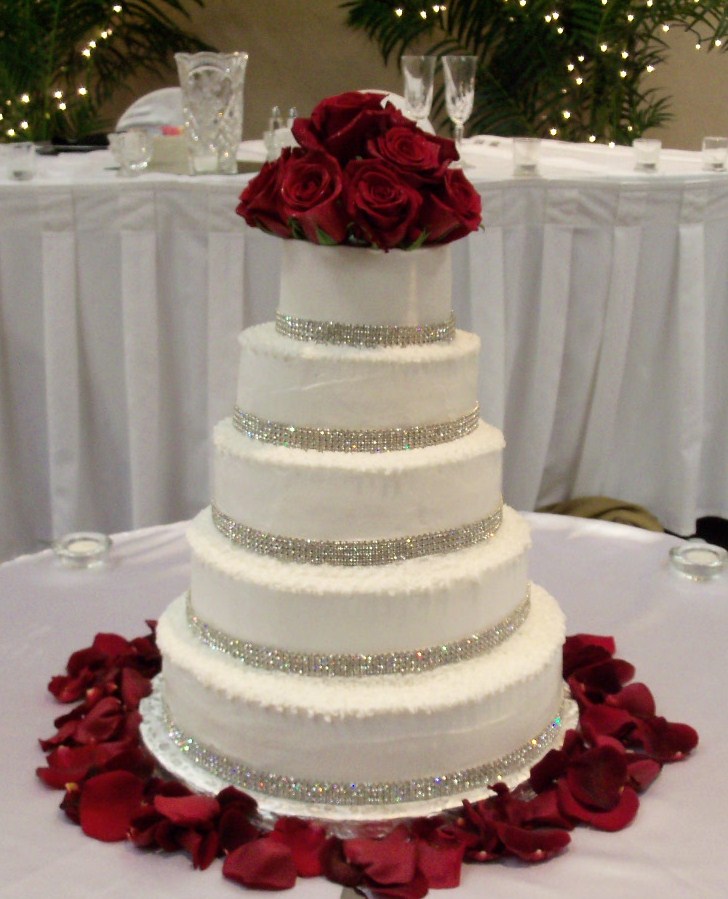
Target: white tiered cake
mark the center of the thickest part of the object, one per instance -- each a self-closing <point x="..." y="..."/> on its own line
<point x="360" y="640"/>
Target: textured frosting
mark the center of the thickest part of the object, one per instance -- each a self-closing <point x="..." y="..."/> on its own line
<point x="375" y="729"/>
<point x="320" y="385"/>
<point x="368" y="728"/>
<point x="367" y="287"/>
<point x="333" y="609"/>
<point x="344" y="496"/>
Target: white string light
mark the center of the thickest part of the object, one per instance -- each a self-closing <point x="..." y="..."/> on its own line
<point x="550" y="18"/>
<point x="82" y="90"/>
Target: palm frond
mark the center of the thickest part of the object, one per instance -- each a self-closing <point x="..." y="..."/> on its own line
<point x="62" y="59"/>
<point x="579" y="73"/>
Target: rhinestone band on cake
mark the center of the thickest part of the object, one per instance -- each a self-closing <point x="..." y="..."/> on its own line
<point x="360" y="665"/>
<point x="342" y="440"/>
<point x="356" y="552"/>
<point x="453" y="783"/>
<point x="363" y="335"/>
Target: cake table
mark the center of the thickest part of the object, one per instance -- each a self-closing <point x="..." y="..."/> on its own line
<point x="610" y="579"/>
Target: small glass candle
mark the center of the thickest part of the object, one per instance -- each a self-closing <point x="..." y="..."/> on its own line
<point x="646" y="153"/>
<point x="132" y="150"/>
<point x="20" y="160"/>
<point x="715" y="153"/>
<point x="82" y="549"/>
<point x="526" y="152"/>
<point x="698" y="560"/>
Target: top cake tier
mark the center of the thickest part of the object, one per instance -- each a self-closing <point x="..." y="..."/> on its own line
<point x="360" y="286"/>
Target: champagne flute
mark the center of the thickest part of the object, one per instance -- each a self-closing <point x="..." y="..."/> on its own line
<point x="459" y="92"/>
<point x="418" y="72"/>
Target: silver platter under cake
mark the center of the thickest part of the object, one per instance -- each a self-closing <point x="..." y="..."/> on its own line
<point x="344" y="821"/>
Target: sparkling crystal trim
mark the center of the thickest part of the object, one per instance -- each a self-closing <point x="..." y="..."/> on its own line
<point x="363" y="335"/>
<point x="356" y="552"/>
<point x="281" y="786"/>
<point x="359" y="665"/>
<point x="341" y="440"/>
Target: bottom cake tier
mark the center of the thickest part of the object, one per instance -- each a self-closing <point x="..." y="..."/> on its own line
<point x="365" y="748"/>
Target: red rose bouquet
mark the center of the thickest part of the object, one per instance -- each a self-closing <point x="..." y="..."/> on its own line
<point x="363" y="175"/>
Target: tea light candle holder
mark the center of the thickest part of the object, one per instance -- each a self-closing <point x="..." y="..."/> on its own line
<point x="526" y="151"/>
<point x="646" y="153"/>
<point x="20" y="161"/>
<point x="698" y="560"/>
<point x="715" y="153"/>
<point x="82" y="549"/>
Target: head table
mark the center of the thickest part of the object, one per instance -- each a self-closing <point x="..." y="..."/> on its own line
<point x="609" y="579"/>
<point x="600" y="296"/>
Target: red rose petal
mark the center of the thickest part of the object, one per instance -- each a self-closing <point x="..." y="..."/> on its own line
<point x="597" y="777"/>
<point x="634" y="698"/>
<point x="235" y="828"/>
<point x="305" y="840"/>
<point x="664" y="740"/>
<point x="604" y="720"/>
<point x="642" y="772"/>
<point x="262" y="865"/>
<point x="533" y="845"/>
<point x="232" y="796"/>
<point x="543" y="810"/>
<point x="414" y="889"/>
<point x="202" y="847"/>
<point x="111" y="645"/>
<point x="335" y="866"/>
<point x="187" y="811"/>
<point x="108" y="803"/>
<point x="387" y="861"/>
<point x="614" y="819"/>
<point x="134" y="687"/>
<point x="441" y="863"/>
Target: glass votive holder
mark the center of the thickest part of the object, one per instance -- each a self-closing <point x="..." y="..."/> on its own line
<point x="715" y="153"/>
<point x="82" y="549"/>
<point x="646" y="153"/>
<point x="21" y="161"/>
<point x="698" y="560"/>
<point x="132" y="150"/>
<point x="526" y="152"/>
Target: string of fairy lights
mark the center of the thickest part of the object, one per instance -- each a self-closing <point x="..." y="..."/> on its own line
<point x="577" y="67"/>
<point x="13" y="120"/>
<point x="15" y="123"/>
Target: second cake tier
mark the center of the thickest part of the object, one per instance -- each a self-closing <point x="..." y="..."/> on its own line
<point x="414" y="605"/>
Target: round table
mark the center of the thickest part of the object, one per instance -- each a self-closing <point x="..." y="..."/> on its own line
<point x="609" y="579"/>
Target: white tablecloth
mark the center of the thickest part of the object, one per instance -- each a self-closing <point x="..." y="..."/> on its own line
<point x="609" y="579"/>
<point x="601" y="297"/>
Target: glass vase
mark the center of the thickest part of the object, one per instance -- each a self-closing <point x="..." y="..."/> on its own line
<point x="212" y="98"/>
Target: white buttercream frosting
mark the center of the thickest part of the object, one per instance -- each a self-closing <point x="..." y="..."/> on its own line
<point x="343" y="496"/>
<point x="380" y="729"/>
<point x="411" y="604"/>
<point x="376" y="729"/>
<point x="320" y="385"/>
<point x="367" y="287"/>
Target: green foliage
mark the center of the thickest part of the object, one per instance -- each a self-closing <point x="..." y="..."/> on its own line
<point x="52" y="49"/>
<point x="576" y="69"/>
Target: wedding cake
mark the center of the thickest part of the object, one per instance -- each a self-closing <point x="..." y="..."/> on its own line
<point x="360" y="640"/>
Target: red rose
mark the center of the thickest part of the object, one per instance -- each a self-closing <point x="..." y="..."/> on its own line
<point x="311" y="194"/>
<point x="423" y="157"/>
<point x="260" y="201"/>
<point x="342" y="125"/>
<point x="453" y="211"/>
<point x="382" y="205"/>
